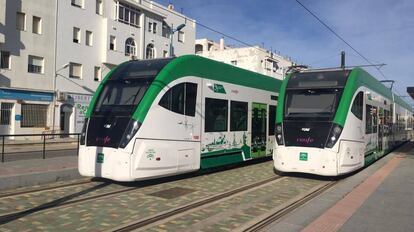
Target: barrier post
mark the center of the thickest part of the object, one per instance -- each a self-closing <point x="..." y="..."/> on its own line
<point x="44" y="147"/>
<point x="77" y="153"/>
<point x="2" y="151"/>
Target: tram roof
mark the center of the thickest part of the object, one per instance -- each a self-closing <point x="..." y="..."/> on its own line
<point x="192" y="65"/>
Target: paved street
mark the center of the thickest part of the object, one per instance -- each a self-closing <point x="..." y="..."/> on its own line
<point x="8" y="157"/>
<point x="25" y="150"/>
<point x="104" y="205"/>
<point x="108" y="212"/>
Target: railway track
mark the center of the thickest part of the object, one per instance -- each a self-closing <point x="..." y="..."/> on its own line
<point x="9" y="194"/>
<point x="275" y="216"/>
<point x="62" y="202"/>
<point x="257" y="226"/>
<point x="65" y="201"/>
<point x="170" y="213"/>
<point x="150" y="221"/>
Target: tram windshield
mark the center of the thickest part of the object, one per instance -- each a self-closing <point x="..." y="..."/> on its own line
<point x="312" y="103"/>
<point x="127" y="85"/>
<point x="122" y="96"/>
<point x="314" y="95"/>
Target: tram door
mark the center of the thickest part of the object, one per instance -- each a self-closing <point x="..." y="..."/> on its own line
<point x="259" y="122"/>
<point x="381" y="129"/>
<point x="190" y="126"/>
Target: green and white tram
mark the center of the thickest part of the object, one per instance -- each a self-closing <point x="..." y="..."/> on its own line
<point x="332" y="122"/>
<point x="161" y="117"/>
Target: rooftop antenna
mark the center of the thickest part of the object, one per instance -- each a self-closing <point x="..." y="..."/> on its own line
<point x="343" y="59"/>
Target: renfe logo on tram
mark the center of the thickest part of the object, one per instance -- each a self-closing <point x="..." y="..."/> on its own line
<point x="305" y="140"/>
<point x="105" y="139"/>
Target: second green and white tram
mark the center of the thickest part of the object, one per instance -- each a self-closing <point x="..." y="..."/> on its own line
<point x="332" y="122"/>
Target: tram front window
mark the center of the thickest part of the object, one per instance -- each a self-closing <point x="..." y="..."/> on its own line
<point x="122" y="96"/>
<point x="312" y="103"/>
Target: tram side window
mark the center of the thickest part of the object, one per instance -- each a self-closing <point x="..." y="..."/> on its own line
<point x="375" y="119"/>
<point x="190" y="99"/>
<point x="397" y="120"/>
<point x="181" y="99"/>
<point x="371" y="119"/>
<point x="368" y="120"/>
<point x="272" y="118"/>
<point x="357" y="106"/>
<point x="173" y="99"/>
<point x="387" y="122"/>
<point x="238" y="116"/>
<point x="216" y="115"/>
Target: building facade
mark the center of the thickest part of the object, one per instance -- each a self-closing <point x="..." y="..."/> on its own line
<point x="255" y="59"/>
<point x="26" y="66"/>
<point x="65" y="48"/>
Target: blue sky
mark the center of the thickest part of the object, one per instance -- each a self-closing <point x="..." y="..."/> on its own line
<point x="382" y="30"/>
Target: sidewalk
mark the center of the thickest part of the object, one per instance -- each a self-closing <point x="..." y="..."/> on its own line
<point x="30" y="140"/>
<point x="379" y="198"/>
<point x="24" y="173"/>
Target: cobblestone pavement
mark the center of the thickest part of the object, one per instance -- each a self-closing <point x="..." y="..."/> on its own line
<point x="40" y="187"/>
<point x="109" y="212"/>
<point x="234" y="212"/>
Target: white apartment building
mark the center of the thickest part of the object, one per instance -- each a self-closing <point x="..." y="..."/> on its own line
<point x="67" y="47"/>
<point x="27" y="30"/>
<point x="2" y="19"/>
<point x="255" y="59"/>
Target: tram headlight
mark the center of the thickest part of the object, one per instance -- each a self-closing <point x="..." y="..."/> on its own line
<point x="83" y="133"/>
<point x="334" y="134"/>
<point x="129" y="133"/>
<point x="279" y="134"/>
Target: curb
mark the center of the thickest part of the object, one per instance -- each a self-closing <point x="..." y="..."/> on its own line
<point x="30" y="179"/>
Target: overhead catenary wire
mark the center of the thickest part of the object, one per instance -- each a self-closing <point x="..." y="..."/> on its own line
<point x="211" y="29"/>
<point x="265" y="51"/>
<point x="340" y="37"/>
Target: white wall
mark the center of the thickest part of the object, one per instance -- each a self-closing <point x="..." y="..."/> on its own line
<point x="68" y="51"/>
<point x="21" y="44"/>
<point x="2" y="19"/>
<point x="250" y="58"/>
<point x="103" y="26"/>
<point x="58" y="49"/>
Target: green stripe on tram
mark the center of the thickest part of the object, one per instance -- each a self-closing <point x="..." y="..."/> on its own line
<point x="281" y="100"/>
<point x="192" y="65"/>
<point x="356" y="79"/>
<point x="360" y="78"/>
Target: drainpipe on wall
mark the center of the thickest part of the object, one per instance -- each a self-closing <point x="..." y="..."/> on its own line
<point x="55" y="68"/>
<point x="142" y="42"/>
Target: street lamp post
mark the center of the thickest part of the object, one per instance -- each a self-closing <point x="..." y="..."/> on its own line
<point x="54" y="97"/>
<point x="179" y="28"/>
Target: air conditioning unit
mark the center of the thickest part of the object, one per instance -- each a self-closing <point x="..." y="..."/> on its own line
<point x="61" y="96"/>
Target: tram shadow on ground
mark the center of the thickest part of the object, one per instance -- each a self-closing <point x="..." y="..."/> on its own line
<point x="167" y="179"/>
<point x="58" y="202"/>
<point x="405" y="148"/>
<point x="102" y="183"/>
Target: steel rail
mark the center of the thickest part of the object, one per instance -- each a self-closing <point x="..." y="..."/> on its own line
<point x="260" y="225"/>
<point x="9" y="194"/>
<point x="62" y="203"/>
<point x="178" y="210"/>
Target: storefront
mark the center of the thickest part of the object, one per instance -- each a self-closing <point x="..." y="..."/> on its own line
<point x="25" y="112"/>
<point x="72" y="112"/>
